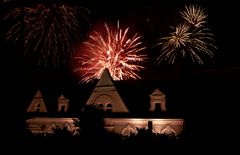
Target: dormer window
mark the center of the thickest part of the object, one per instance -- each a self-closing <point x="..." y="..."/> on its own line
<point x="37" y="104"/>
<point x="37" y="108"/>
<point x="63" y="104"/>
<point x="104" y="102"/>
<point x="62" y="108"/>
<point x="109" y="108"/>
<point x="157" y="101"/>
<point x="100" y="106"/>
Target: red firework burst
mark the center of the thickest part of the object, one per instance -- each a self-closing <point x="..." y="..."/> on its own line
<point x="114" y="49"/>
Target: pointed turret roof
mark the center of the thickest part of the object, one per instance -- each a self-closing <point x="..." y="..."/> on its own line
<point x="38" y="94"/>
<point x="106" y="79"/>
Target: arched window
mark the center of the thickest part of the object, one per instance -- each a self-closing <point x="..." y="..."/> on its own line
<point x="37" y="108"/>
<point x="62" y="109"/>
<point x="100" y="106"/>
<point x="157" y="107"/>
<point x="128" y="130"/>
<point x="168" y="130"/>
<point x="109" y="108"/>
<point x="104" y="102"/>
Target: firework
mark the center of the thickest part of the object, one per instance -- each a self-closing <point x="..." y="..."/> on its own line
<point x="194" y="15"/>
<point x="191" y="38"/>
<point x="177" y="41"/>
<point x="48" y="30"/>
<point x="114" y="49"/>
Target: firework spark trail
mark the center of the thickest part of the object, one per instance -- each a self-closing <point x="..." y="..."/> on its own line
<point x="191" y="38"/>
<point x="49" y="30"/>
<point x="178" y="40"/>
<point x="114" y="49"/>
<point x="194" y="15"/>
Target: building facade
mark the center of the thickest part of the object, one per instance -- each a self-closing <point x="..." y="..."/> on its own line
<point x="106" y="97"/>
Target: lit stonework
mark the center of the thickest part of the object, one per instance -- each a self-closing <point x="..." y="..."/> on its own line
<point x="106" y="94"/>
<point x="63" y="104"/>
<point x="104" y="102"/>
<point x="157" y="100"/>
<point x="107" y="98"/>
<point x="47" y="124"/>
<point x="118" y="125"/>
<point x="168" y="130"/>
<point x="128" y="129"/>
<point x="37" y="104"/>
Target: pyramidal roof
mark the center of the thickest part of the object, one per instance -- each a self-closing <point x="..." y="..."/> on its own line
<point x="105" y="93"/>
<point x="62" y="97"/>
<point x="106" y="79"/>
<point x="157" y="92"/>
<point x="38" y="94"/>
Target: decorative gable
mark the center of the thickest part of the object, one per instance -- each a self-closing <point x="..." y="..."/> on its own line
<point x="157" y="101"/>
<point x="128" y="130"/>
<point x="63" y="104"/>
<point x="37" y="104"/>
<point x="106" y="96"/>
<point x="168" y="130"/>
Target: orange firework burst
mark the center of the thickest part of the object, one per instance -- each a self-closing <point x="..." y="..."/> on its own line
<point x="114" y="49"/>
<point x="47" y="30"/>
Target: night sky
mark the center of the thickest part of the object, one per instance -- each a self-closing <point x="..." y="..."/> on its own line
<point x="210" y="91"/>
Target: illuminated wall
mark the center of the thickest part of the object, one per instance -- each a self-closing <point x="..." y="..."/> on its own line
<point x="126" y="125"/>
<point x="107" y="98"/>
<point x="123" y="126"/>
<point x="46" y="124"/>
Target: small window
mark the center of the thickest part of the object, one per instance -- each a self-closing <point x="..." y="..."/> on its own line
<point x="157" y="107"/>
<point x="37" y="108"/>
<point x="109" y="108"/>
<point x="100" y="106"/>
<point x="62" y="109"/>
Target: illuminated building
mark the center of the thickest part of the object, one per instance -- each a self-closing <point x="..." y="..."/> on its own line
<point x="118" y="118"/>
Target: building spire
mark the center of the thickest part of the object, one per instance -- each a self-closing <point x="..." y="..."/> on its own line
<point x="106" y="79"/>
